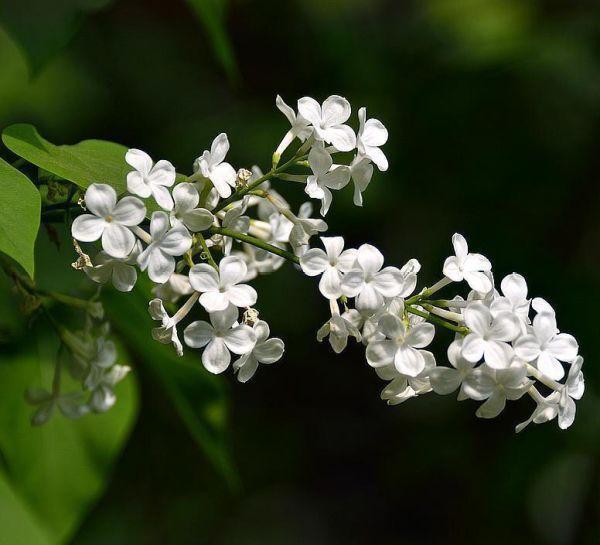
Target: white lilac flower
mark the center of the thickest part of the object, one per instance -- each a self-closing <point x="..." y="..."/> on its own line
<point x="149" y="179"/>
<point x="328" y="120"/>
<point x="361" y="172"/>
<point x="468" y="267"/>
<point x="220" y="337"/>
<point x="496" y="386"/>
<point x="513" y="299"/>
<point x="324" y="178"/>
<point x="546" y="409"/>
<point x="167" y="243"/>
<point x="304" y="228"/>
<point x="265" y="351"/>
<point x="330" y="264"/>
<point x="175" y="287"/>
<point x="368" y="282"/>
<point x="489" y="336"/>
<point x="545" y="347"/>
<point x="167" y="332"/>
<point x="103" y="395"/>
<point x="403" y="387"/>
<point x="573" y="389"/>
<point x="401" y="346"/>
<point x="121" y="272"/>
<point x="235" y="220"/>
<point x="186" y="211"/>
<point x="371" y="135"/>
<point x="446" y="380"/>
<point x="109" y="220"/>
<point x="338" y="328"/>
<point x="211" y="165"/>
<point x="222" y="288"/>
<point x="300" y="126"/>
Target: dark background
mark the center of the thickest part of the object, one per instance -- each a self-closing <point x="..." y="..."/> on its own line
<point x="493" y="113"/>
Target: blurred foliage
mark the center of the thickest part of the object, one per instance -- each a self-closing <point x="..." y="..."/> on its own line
<point x="493" y="113"/>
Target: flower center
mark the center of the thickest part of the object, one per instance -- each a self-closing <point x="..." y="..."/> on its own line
<point x="108" y="218"/>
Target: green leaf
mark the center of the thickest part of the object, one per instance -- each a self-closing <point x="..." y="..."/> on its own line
<point x="211" y="13"/>
<point x="54" y="473"/>
<point x="19" y="216"/>
<point x="83" y="164"/>
<point x="43" y="28"/>
<point x="197" y="395"/>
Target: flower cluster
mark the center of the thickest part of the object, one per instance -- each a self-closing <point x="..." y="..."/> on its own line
<point x="203" y="237"/>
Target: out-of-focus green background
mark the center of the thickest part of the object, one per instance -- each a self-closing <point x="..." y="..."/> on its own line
<point x="493" y="112"/>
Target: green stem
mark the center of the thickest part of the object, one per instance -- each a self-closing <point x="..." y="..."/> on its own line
<point x="428" y="291"/>
<point x="438" y="321"/>
<point x="256" y="242"/>
<point x="206" y="250"/>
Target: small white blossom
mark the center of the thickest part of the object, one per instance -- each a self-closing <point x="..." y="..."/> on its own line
<point x="514" y="298"/>
<point x="222" y="288"/>
<point x="324" y="178"/>
<point x="121" y="272"/>
<point x="489" y="336"/>
<point x="167" y="332"/>
<point x="109" y="219"/>
<point x="361" y="172"/>
<point x="300" y="126"/>
<point x="573" y="389"/>
<point x="159" y="256"/>
<point x="468" y="267"/>
<point x="304" y="228"/>
<point x="211" y="165"/>
<point x="149" y="179"/>
<point x="403" y="387"/>
<point x="186" y="211"/>
<point x="338" y="328"/>
<point x="103" y="394"/>
<point x="496" y="386"/>
<point x="328" y="120"/>
<point x="368" y="282"/>
<point x="330" y="264"/>
<point x="265" y="351"/>
<point x="371" y="135"/>
<point x="446" y="380"/>
<point x="545" y="347"/>
<point x="401" y="346"/>
<point x="220" y="337"/>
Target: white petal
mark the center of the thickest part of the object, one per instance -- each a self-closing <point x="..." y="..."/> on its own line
<point x="124" y="277"/>
<point x="478" y="281"/>
<point x="219" y="149"/>
<point x="177" y="241"/>
<point x="242" y="295"/>
<point x="498" y="355"/>
<point x="369" y="258"/>
<point x="129" y="211"/>
<point x="461" y="248"/>
<point x="139" y="160"/>
<point x="198" y="219"/>
<point x="269" y="351"/>
<point x="563" y="347"/>
<point x="527" y="347"/>
<point x="409" y="361"/>
<point x="245" y="366"/>
<point x="160" y="266"/>
<point x="452" y="269"/>
<point x="368" y="298"/>
<point x="380" y="353"/>
<point x="198" y="334"/>
<point x="223" y="178"/>
<point x="162" y="196"/>
<point x="136" y="184"/>
<point x="232" y="270"/>
<point x="310" y="110"/>
<point x="374" y="133"/>
<point x="240" y="339"/>
<point x="320" y="161"/>
<point x="492" y="407"/>
<point x="223" y="320"/>
<point x="117" y="241"/>
<point x="420" y="335"/>
<point x="335" y="110"/>
<point x="87" y="228"/>
<point x="378" y="157"/>
<point x="162" y="173"/>
<point x="550" y="366"/>
<point x="473" y="348"/>
<point x="100" y="199"/>
<point x="186" y="197"/>
<point x="314" y="262"/>
<point x="330" y="284"/>
<point x="333" y="246"/>
<point x="505" y="327"/>
<point x="352" y="282"/>
<point x="214" y="301"/>
<point x="388" y="281"/>
<point x="477" y="318"/>
<point x="203" y="278"/>
<point x="444" y="380"/>
<point x="341" y="137"/>
<point x="514" y="287"/>
<point x="285" y="110"/>
<point x="159" y="225"/>
<point x="216" y="357"/>
<point x="391" y="326"/>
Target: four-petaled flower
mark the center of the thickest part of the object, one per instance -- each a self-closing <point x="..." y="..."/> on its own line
<point x="148" y="179"/>
<point x="186" y="211"/>
<point x="159" y="255"/>
<point x="222" y="335"/>
<point x="446" y="380"/>
<point x="371" y="135"/>
<point x="109" y="219"/>
<point x="401" y="346"/>
<point x="489" y="336"/>
<point x="330" y="263"/>
<point x="468" y="267"/>
<point x="324" y="178"/>
<point x="221" y="288"/>
<point x="121" y="271"/>
<point x="265" y="351"/>
<point x="211" y="165"/>
<point x="328" y="120"/>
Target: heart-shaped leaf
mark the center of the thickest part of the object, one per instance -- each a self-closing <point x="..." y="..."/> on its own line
<point x="20" y="216"/>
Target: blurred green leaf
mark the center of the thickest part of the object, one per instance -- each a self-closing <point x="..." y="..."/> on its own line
<point x="43" y="28"/>
<point x="197" y="395"/>
<point x="58" y="470"/>
<point x="20" y="217"/>
<point x="83" y="164"/>
<point x="211" y="13"/>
